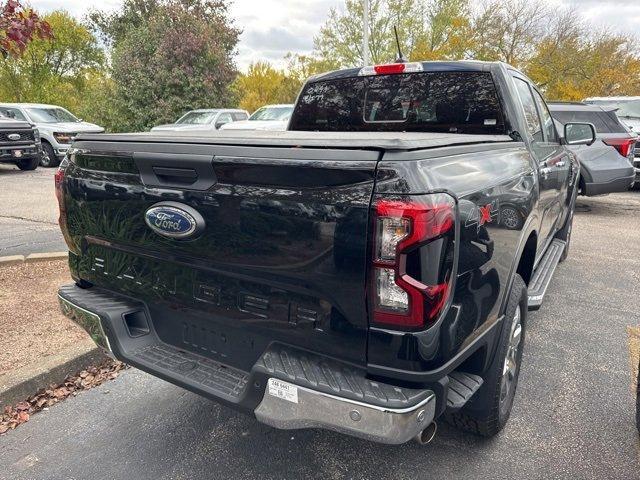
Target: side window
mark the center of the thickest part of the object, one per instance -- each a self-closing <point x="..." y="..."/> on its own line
<point x="224" y="118"/>
<point x="238" y="117"/>
<point x="550" y="133"/>
<point x="529" y="109"/>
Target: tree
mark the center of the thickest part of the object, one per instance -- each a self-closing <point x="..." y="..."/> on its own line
<point x="54" y="69"/>
<point x="340" y="38"/>
<point x="261" y="85"/>
<point x="18" y="26"/>
<point x="448" y="34"/>
<point x="169" y="56"/>
<point x="299" y="69"/>
<point x="508" y="30"/>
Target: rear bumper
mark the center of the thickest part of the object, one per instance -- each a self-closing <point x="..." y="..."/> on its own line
<point x="286" y="388"/>
<point x="621" y="184"/>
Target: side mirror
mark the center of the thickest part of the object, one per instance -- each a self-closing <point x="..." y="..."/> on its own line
<point x="579" y="133"/>
<point x="219" y="124"/>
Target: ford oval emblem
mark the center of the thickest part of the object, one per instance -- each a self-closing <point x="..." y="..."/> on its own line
<point x="174" y="220"/>
<point x="14" y="136"/>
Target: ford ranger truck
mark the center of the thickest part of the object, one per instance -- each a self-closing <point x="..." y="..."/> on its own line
<point x="359" y="272"/>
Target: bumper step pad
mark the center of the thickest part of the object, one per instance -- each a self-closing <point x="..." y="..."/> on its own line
<point x="462" y="386"/>
<point x="544" y="273"/>
<point x="333" y="378"/>
<point x="214" y="377"/>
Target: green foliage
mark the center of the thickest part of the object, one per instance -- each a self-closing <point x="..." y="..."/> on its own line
<point x="53" y="70"/>
<point x="169" y="56"/>
<point x="340" y="38"/>
<point x="263" y="84"/>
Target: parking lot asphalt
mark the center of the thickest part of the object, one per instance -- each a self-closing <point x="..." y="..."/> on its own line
<point x="573" y="416"/>
<point x="28" y="212"/>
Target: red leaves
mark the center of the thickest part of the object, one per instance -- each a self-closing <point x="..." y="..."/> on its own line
<point x="85" y="380"/>
<point x="18" y="26"/>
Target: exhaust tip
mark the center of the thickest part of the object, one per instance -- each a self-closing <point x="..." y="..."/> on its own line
<point x="427" y="435"/>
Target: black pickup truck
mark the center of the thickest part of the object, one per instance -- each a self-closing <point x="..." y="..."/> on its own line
<point x="19" y="144"/>
<point x="367" y="271"/>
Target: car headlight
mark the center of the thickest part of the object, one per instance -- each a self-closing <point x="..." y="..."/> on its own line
<point x="36" y="134"/>
<point x="64" y="137"/>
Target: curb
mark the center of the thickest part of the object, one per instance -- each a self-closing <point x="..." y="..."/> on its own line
<point x="20" y="384"/>
<point x="32" y="258"/>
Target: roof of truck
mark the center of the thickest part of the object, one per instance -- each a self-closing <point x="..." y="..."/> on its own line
<point x="430" y="66"/>
<point x="346" y="140"/>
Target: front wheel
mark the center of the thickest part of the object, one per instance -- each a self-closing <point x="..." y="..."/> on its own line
<point x="49" y="158"/>
<point x="489" y="409"/>
<point x="28" y="163"/>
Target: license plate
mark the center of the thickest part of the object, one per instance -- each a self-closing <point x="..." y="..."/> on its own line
<point x="17" y="153"/>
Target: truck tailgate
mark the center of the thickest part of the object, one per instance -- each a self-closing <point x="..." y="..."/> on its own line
<point x="279" y="254"/>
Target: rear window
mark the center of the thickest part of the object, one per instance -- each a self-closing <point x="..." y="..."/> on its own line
<point x="453" y="102"/>
<point x="604" y="122"/>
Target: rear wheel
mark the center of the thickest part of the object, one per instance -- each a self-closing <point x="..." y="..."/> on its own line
<point x="49" y="158"/>
<point x="489" y="409"/>
<point x="28" y="163"/>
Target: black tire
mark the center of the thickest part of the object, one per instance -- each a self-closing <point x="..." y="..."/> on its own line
<point x="28" y="163"/>
<point x="489" y="409"/>
<point x="49" y="158"/>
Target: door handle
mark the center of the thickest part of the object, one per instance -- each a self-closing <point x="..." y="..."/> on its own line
<point x="545" y="172"/>
<point x="561" y="163"/>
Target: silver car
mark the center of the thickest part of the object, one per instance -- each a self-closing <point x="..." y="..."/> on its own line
<point x="607" y="165"/>
<point x="57" y="127"/>
<point x="204" y="120"/>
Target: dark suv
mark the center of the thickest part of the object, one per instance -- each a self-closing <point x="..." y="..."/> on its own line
<point x="19" y="144"/>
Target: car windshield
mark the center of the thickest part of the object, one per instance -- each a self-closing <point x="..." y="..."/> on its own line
<point x="625" y="108"/>
<point x="51" y="115"/>
<point x="197" y="118"/>
<point x="272" y="114"/>
<point x="450" y="102"/>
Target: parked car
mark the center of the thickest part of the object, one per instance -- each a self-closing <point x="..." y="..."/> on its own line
<point x="628" y="110"/>
<point x="56" y="125"/>
<point x="204" y="120"/>
<point x="19" y="144"/>
<point x="397" y="298"/>
<point x="604" y="168"/>
<point x="269" y="117"/>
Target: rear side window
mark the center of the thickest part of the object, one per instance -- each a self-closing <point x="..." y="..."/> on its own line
<point x="239" y="116"/>
<point x="454" y="102"/>
<point x="601" y="120"/>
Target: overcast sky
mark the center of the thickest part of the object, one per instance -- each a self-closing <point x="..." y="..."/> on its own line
<point x="271" y="28"/>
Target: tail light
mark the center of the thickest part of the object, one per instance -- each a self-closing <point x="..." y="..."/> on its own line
<point x="625" y="146"/>
<point x="412" y="265"/>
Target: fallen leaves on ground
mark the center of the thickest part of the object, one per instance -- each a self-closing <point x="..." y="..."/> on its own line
<point x="16" y="415"/>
